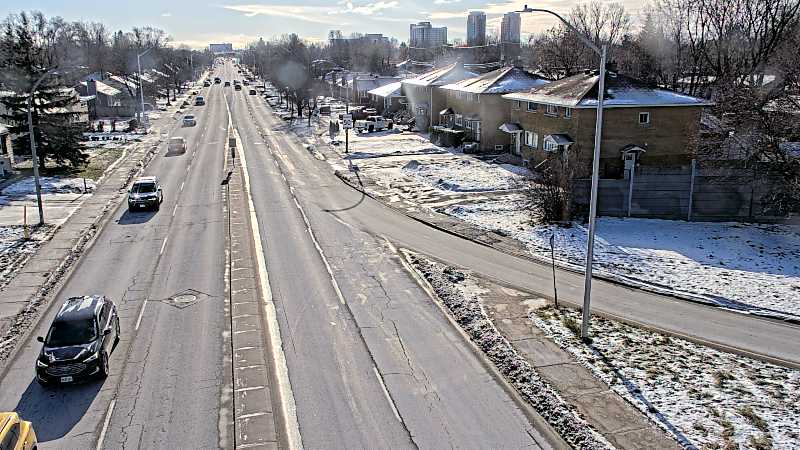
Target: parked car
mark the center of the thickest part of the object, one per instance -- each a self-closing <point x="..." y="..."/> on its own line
<point x="79" y="342"/>
<point x="145" y="193"/>
<point x="176" y="144"/>
<point x="206" y="83"/>
<point x="373" y="123"/>
<point x="199" y="101"/>
<point x="325" y="110"/>
<point x="189" y="120"/>
<point x="252" y="92"/>
<point x="15" y="433"/>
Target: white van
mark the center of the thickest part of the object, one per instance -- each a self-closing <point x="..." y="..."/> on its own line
<point x="176" y="145"/>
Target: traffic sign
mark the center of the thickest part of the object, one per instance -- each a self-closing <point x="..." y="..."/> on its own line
<point x="347" y="121"/>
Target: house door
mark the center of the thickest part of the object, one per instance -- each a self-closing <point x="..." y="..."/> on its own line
<point x="515" y="144"/>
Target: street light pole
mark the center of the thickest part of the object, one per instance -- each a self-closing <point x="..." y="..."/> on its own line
<point x="141" y="90"/>
<point x="587" y="285"/>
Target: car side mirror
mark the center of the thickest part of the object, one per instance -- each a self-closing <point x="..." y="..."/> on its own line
<point x="39" y="338"/>
<point x="159" y="189"/>
<point x="107" y="331"/>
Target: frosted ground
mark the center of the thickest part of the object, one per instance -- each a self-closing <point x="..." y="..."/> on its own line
<point x="706" y="398"/>
<point x="741" y="266"/>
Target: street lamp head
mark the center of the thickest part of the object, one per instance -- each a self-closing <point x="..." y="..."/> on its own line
<point x="525" y="9"/>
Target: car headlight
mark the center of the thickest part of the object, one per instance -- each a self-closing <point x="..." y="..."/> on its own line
<point x="92" y="357"/>
<point x="39" y="363"/>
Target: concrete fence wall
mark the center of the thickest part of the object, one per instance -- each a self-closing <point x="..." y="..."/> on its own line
<point x="709" y="193"/>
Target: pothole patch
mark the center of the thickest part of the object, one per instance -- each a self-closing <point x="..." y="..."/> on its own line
<point x="185" y="298"/>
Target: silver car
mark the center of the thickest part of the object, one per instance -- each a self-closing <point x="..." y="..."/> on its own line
<point x="189" y="120"/>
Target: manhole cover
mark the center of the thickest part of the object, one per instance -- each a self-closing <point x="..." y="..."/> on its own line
<point x="186" y="298"/>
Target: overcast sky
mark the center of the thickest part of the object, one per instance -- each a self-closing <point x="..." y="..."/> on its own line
<point x="197" y="24"/>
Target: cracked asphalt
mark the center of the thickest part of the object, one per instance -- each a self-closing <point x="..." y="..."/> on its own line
<point x="380" y="366"/>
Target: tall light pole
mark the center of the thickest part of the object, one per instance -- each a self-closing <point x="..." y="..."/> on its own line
<point x="141" y="91"/>
<point x="587" y="284"/>
<point x="34" y="156"/>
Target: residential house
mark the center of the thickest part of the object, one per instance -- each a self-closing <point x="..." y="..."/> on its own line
<point x="362" y="84"/>
<point x="642" y="124"/>
<point x="388" y="98"/>
<point x="476" y="105"/>
<point x="111" y="96"/>
<point x="425" y="98"/>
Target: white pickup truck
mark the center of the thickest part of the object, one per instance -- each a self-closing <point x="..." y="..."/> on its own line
<point x="373" y="123"/>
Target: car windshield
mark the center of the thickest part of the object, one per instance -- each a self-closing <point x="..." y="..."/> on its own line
<point x="188" y="118"/>
<point x="143" y="188"/>
<point x="71" y="332"/>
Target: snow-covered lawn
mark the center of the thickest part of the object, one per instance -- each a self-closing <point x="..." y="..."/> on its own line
<point x="465" y="174"/>
<point x="741" y="266"/>
<point x="49" y="185"/>
<point x="15" y="249"/>
<point x="708" y="397"/>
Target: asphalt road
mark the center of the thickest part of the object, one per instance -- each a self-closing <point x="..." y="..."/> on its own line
<point x="373" y="362"/>
<point x="167" y="371"/>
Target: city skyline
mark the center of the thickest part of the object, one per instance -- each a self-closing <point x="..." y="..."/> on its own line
<point x="239" y="23"/>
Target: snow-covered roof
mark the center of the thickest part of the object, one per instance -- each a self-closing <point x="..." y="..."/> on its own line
<point x="500" y="81"/>
<point x="440" y="77"/>
<point x="560" y="139"/>
<point x="388" y="90"/>
<point x="580" y="91"/>
<point x="106" y="89"/>
<point x="3" y="129"/>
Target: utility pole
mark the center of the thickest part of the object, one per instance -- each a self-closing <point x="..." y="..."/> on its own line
<point x="587" y="286"/>
<point x="141" y="91"/>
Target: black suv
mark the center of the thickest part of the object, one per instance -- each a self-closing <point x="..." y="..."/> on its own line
<point x="79" y="341"/>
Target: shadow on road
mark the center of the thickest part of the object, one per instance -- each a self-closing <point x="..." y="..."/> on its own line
<point x="54" y="411"/>
<point x="133" y="218"/>
<point x="360" y="199"/>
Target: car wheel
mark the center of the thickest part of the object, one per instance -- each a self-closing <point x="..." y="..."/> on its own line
<point x="104" y="365"/>
<point x="371" y="129"/>
<point x="157" y="205"/>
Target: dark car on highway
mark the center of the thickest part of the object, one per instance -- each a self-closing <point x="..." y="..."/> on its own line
<point x="227" y="83"/>
<point x="79" y="342"/>
<point x="238" y="87"/>
<point x="145" y="193"/>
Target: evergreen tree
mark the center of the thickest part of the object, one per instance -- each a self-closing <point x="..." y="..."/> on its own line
<point x="55" y="116"/>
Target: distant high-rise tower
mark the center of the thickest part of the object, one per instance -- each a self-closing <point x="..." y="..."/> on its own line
<point x="423" y="35"/>
<point x="476" y="28"/>
<point x="510" y="28"/>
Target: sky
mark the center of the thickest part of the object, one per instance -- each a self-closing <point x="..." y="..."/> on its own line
<point x="196" y="23"/>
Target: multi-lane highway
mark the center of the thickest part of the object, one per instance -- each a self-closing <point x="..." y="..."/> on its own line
<point x="372" y="362"/>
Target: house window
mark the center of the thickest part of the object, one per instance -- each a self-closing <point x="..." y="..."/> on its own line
<point x="550" y="146"/>
<point x="568" y="112"/>
<point x="459" y="120"/>
<point x="531" y="107"/>
<point x="644" y="118"/>
<point x="551" y="110"/>
<point x="531" y="139"/>
<point x="477" y="98"/>
<point x="517" y="104"/>
<point x="498" y="148"/>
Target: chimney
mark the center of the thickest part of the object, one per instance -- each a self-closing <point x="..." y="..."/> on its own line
<point x="91" y="87"/>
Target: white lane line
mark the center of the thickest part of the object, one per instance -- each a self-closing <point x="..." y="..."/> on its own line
<point x="386" y="393"/>
<point x="163" y="244"/>
<point x="102" y="437"/>
<point x="174" y="210"/>
<point x="182" y="184"/>
<point x="141" y="314"/>
<point x="289" y="409"/>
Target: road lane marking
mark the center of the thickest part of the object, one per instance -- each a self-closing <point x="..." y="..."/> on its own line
<point x="182" y="184"/>
<point x="164" y="244"/>
<point x="106" y="422"/>
<point x="174" y="210"/>
<point x="386" y="393"/>
<point x="293" y="438"/>
<point x="141" y="314"/>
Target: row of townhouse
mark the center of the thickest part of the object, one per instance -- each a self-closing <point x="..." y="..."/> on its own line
<point x="510" y="110"/>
